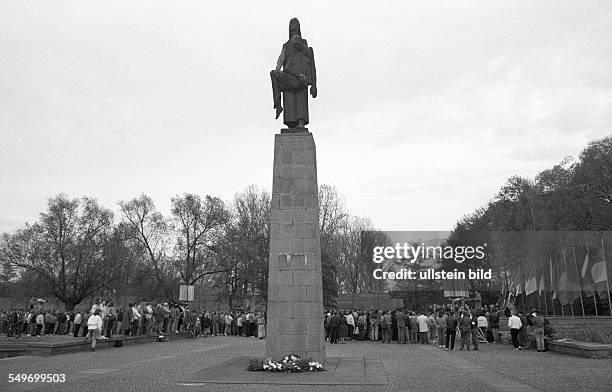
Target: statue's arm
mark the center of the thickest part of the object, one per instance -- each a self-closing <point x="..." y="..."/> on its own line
<point x="281" y="59"/>
<point x="313" y="74"/>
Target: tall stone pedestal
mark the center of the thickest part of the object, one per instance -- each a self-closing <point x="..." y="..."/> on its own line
<point x="295" y="289"/>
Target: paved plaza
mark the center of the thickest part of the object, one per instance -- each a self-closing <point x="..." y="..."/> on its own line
<point x="172" y="366"/>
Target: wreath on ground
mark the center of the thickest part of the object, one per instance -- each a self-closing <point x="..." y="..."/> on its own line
<point x="289" y="364"/>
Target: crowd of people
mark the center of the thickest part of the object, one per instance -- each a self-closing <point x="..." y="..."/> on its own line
<point x="439" y="326"/>
<point x="104" y="319"/>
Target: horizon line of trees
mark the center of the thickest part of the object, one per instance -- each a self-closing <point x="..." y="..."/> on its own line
<point x="77" y="248"/>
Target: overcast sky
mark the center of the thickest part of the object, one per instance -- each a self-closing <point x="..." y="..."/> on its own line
<point x="424" y="109"/>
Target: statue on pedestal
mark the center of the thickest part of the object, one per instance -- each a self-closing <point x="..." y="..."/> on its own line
<point x="295" y="71"/>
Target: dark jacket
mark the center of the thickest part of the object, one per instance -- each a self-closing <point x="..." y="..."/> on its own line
<point x="494" y="320"/>
<point x="465" y="324"/>
<point x="451" y="322"/>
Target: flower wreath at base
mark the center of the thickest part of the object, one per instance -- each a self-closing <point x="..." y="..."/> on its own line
<point x="289" y="364"/>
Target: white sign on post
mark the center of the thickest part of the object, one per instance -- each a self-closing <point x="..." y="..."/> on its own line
<point x="186" y="293"/>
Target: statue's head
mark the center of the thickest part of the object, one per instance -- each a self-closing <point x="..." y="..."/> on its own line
<point x="294" y="28"/>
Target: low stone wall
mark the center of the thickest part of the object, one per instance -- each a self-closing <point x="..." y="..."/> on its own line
<point x="565" y="326"/>
<point x="571" y="325"/>
<point x="581" y="349"/>
<point x="368" y="301"/>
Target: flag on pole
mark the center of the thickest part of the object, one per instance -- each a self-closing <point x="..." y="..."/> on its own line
<point x="599" y="273"/>
<point x="553" y="282"/>
<point x="568" y="286"/>
<point x="587" y="282"/>
<point x="531" y="286"/>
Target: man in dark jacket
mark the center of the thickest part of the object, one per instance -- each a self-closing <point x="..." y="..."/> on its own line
<point x="475" y="330"/>
<point x="494" y="324"/>
<point x="451" y="331"/>
<point x="400" y="319"/>
<point x="335" y="323"/>
<point x="465" y="327"/>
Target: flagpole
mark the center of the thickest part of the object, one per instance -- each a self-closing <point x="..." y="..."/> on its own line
<point x="603" y="252"/>
<point x="552" y="299"/>
<point x="567" y="278"/>
<point x="535" y="267"/>
<point x="523" y="292"/>
<point x="578" y="274"/>
<point x="557" y="271"/>
<point x="544" y="289"/>
<point x="594" y="294"/>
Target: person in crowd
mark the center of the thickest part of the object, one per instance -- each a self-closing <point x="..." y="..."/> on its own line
<point x="198" y="324"/>
<point x="355" y="333"/>
<point x="47" y="323"/>
<point x="166" y="313"/>
<point x="192" y="319"/>
<point x="386" y="325"/>
<point x="40" y="324"/>
<point x="342" y="328"/>
<point x="222" y="320"/>
<point x="515" y="324"/>
<point x="361" y="324"/>
<point x="174" y="317"/>
<point x="374" y="325"/>
<point x="4" y="321"/>
<point x="158" y="319"/>
<point x="111" y="319"/>
<point x="400" y="319"/>
<point x="31" y="322"/>
<point x="136" y="318"/>
<point x="206" y="324"/>
<point x="77" y="324"/>
<point x="94" y="328"/>
<point x="475" y="342"/>
<point x="523" y="338"/>
<point x="261" y="325"/>
<point x="96" y="305"/>
<point x="126" y="316"/>
<point x="61" y="322"/>
<point x="327" y="324"/>
<point x="350" y="323"/>
<point x="252" y="323"/>
<point x="451" y="331"/>
<point x="494" y="324"/>
<point x="538" y="330"/>
<point x="228" y="324"/>
<point x="423" y="326"/>
<point x="215" y="324"/>
<point x="334" y="325"/>
<point x="465" y="328"/>
<point x="431" y="323"/>
<point x="441" y="328"/>
<point x="414" y="328"/>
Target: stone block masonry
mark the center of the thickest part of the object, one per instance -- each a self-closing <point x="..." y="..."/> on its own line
<point x="295" y="289"/>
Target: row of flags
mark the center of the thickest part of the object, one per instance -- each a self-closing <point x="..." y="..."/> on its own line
<point x="571" y="272"/>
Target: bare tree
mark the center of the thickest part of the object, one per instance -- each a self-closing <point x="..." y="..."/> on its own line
<point x="246" y="245"/>
<point x="68" y="247"/>
<point x="199" y="225"/>
<point x="148" y="228"/>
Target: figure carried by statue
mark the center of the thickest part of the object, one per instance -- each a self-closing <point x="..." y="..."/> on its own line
<point x="295" y="71"/>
